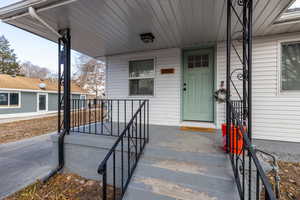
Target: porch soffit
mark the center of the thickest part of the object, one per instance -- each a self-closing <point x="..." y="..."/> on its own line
<point x="107" y="27"/>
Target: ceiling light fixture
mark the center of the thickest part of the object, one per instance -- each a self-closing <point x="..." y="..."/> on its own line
<point x="147" y="37"/>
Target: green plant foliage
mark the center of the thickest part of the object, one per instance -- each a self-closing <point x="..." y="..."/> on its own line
<point x="8" y="59"/>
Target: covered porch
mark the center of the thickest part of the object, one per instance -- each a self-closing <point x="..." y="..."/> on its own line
<point x="175" y="164"/>
<point x="140" y="159"/>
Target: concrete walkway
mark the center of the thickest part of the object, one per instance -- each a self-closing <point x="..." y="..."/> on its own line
<point x="182" y="165"/>
<point x="22" y="162"/>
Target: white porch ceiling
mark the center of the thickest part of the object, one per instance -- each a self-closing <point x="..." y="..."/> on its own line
<point x="108" y="27"/>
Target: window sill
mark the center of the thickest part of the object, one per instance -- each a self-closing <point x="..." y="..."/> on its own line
<point x="289" y="93"/>
<point x="140" y="96"/>
<point x="7" y="107"/>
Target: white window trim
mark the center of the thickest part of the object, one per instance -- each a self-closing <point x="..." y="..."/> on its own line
<point x="82" y="97"/>
<point x="9" y="106"/>
<point x="38" y="102"/>
<point x="280" y="92"/>
<point x="144" y="77"/>
<point x="35" y="91"/>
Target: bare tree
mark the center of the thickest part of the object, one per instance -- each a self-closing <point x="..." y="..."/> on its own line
<point x="33" y="71"/>
<point x="90" y="75"/>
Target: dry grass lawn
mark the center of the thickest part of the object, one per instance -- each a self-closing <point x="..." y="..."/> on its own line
<point x="14" y="131"/>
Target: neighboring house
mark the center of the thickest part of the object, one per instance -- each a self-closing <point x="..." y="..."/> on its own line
<point x="23" y="96"/>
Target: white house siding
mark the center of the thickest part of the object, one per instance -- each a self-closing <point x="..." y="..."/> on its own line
<point x="165" y="104"/>
<point x="276" y="115"/>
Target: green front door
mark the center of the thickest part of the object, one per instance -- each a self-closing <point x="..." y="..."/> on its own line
<point x="198" y="85"/>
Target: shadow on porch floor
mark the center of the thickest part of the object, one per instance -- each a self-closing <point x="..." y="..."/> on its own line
<point x="182" y="165"/>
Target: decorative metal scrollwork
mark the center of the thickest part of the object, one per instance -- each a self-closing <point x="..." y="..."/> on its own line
<point x="240" y="76"/>
<point x="241" y="2"/>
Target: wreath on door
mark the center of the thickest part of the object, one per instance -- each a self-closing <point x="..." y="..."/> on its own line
<point x="220" y="94"/>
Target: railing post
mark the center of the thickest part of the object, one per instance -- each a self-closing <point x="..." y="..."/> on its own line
<point x="104" y="182"/>
<point x="128" y="152"/>
<point x="67" y="80"/>
<point x="250" y="10"/>
<point x="102" y="116"/>
<point x="59" y="86"/>
<point x="147" y="121"/>
<point x="267" y="196"/>
<point x="228" y="63"/>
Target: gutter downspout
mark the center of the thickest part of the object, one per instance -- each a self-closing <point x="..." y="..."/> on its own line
<point x="64" y="60"/>
<point x="34" y="15"/>
<point x="61" y="159"/>
<point x="23" y="14"/>
<point x="61" y="136"/>
<point x="64" y="131"/>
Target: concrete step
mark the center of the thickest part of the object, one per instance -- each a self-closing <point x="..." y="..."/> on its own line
<point x="205" y="182"/>
<point x="138" y="194"/>
<point x="159" y="188"/>
<point x="191" y="168"/>
<point x="201" y="158"/>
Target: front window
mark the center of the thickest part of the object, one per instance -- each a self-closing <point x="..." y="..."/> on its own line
<point x="14" y="99"/>
<point x="8" y="99"/>
<point x="4" y="99"/>
<point x="141" y="77"/>
<point x="290" y="66"/>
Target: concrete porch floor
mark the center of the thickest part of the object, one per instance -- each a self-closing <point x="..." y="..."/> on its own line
<point x="182" y="165"/>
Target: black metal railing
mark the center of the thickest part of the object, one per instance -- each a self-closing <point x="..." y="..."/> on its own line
<point x="251" y="180"/>
<point x="239" y="108"/>
<point x="102" y="116"/>
<point x="120" y="162"/>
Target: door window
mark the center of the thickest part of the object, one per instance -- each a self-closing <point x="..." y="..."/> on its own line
<point x="197" y="61"/>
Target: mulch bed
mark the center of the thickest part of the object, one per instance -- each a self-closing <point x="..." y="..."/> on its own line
<point x="289" y="173"/>
<point x="14" y="131"/>
<point x="61" y="187"/>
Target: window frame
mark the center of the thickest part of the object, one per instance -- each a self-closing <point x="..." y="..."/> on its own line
<point x="11" y="106"/>
<point x="82" y="97"/>
<point x="38" y="102"/>
<point x="140" y="78"/>
<point x="290" y="93"/>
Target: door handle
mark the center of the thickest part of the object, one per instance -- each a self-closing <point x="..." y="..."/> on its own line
<point x="184" y="87"/>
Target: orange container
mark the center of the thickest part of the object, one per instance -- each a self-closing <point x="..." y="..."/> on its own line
<point x="236" y="139"/>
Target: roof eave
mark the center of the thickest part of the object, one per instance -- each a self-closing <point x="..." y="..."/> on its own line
<point x="18" y="8"/>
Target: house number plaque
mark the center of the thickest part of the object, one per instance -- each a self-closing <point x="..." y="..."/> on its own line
<point x="167" y="71"/>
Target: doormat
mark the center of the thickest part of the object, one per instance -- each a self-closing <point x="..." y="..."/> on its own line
<point x="198" y="129"/>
